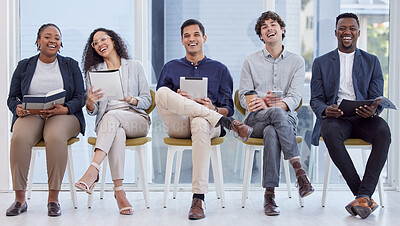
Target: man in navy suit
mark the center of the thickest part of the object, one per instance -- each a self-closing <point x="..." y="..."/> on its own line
<point x="350" y="73"/>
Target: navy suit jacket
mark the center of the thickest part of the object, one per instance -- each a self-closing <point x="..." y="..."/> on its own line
<point x="72" y="79"/>
<point x="367" y="81"/>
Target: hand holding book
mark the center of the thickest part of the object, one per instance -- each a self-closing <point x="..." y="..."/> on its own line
<point x="354" y="107"/>
<point x="367" y="111"/>
<point x="52" y="103"/>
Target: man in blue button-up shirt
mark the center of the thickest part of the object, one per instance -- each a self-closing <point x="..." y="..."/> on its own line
<point x="199" y="119"/>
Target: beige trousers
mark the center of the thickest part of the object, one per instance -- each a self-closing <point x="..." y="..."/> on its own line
<point x="184" y="118"/>
<point x="113" y="129"/>
<point x="27" y="131"/>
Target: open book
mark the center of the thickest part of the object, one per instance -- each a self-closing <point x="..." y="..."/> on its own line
<point x="36" y="103"/>
<point x="349" y="106"/>
<point x="110" y="83"/>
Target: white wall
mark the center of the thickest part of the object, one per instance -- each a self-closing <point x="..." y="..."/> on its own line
<point x="4" y="113"/>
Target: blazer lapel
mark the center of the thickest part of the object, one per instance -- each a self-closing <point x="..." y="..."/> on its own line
<point x="63" y="69"/>
<point x="30" y="70"/>
<point x="336" y="74"/>
<point x="355" y="71"/>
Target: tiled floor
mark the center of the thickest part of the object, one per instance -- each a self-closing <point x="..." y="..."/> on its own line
<point x="104" y="212"/>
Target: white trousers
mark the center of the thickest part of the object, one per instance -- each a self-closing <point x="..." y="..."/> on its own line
<point x="184" y="118"/>
<point x="113" y="129"/>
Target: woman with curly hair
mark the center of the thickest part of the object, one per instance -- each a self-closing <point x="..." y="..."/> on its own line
<point x="116" y="120"/>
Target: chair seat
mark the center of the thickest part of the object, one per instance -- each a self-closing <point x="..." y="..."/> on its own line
<point x="70" y="142"/>
<point x="352" y="141"/>
<point x="129" y="142"/>
<point x="259" y="141"/>
<point x="188" y="142"/>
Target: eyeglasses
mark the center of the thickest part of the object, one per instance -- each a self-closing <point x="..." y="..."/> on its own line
<point x="100" y="40"/>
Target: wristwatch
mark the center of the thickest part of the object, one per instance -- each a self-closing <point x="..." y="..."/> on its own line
<point x="216" y="109"/>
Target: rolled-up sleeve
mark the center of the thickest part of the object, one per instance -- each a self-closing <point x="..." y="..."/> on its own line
<point x="143" y="97"/>
<point x="295" y="90"/>
<point x="225" y="92"/>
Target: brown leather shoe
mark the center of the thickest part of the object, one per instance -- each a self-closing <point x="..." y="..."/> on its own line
<point x="16" y="208"/>
<point x="361" y="207"/>
<point x="196" y="210"/>
<point x="305" y="187"/>
<point x="373" y="205"/>
<point x="243" y="131"/>
<point x="270" y="206"/>
<point x="350" y="206"/>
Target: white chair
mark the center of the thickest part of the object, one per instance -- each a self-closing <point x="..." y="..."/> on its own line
<point x="355" y="144"/>
<point x="178" y="146"/>
<point x="70" y="169"/>
<point x="133" y="144"/>
<point x="253" y="144"/>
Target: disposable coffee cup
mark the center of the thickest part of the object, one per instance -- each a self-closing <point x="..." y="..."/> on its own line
<point x="250" y="95"/>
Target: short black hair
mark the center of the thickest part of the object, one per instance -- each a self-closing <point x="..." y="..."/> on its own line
<point x="347" y="15"/>
<point x="193" y="22"/>
<point x="39" y="33"/>
<point x="269" y="15"/>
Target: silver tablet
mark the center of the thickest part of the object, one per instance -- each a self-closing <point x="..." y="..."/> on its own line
<point x="195" y="86"/>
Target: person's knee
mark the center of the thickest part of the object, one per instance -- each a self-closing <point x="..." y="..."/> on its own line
<point x="383" y="132"/>
<point x="329" y="128"/>
<point x="199" y="124"/>
<point x="278" y="114"/>
<point x="120" y="134"/>
<point x="54" y="138"/>
<point x="269" y="132"/>
<point x="161" y="92"/>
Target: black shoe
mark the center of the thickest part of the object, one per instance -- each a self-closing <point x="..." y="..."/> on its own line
<point x="16" y="208"/>
<point x="54" y="209"/>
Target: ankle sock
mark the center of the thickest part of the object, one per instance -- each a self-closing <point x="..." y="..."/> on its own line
<point x="360" y="196"/>
<point x="298" y="169"/>
<point x="225" y="122"/>
<point x="269" y="191"/>
<point x="199" y="196"/>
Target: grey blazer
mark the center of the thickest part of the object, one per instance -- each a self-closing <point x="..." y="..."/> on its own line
<point x="134" y="83"/>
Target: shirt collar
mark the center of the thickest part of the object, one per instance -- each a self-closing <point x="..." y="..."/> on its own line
<point x="268" y="55"/>
<point x="346" y="54"/>
<point x="198" y="63"/>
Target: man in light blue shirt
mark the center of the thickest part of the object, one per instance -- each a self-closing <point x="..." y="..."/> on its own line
<point x="273" y="117"/>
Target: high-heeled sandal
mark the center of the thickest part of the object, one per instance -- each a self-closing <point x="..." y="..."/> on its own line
<point x="130" y="208"/>
<point x="83" y="186"/>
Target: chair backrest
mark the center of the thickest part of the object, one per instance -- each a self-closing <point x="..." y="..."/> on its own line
<point x="237" y="103"/>
<point x="243" y="111"/>
<point x="153" y="102"/>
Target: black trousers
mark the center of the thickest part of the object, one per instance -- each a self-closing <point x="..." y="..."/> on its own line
<point x="373" y="130"/>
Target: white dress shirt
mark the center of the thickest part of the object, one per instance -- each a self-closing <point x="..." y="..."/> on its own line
<point x="346" y="87"/>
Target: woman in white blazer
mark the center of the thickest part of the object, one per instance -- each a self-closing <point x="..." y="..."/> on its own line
<point x="116" y="120"/>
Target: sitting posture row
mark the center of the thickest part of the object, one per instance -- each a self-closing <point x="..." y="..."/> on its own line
<point x="345" y="73"/>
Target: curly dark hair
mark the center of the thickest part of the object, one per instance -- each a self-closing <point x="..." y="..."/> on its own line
<point x="44" y="26"/>
<point x="90" y="57"/>
<point x="347" y="15"/>
<point x="265" y="16"/>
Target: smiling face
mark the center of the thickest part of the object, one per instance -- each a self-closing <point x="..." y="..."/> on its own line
<point x="192" y="39"/>
<point x="102" y="44"/>
<point x="271" y="32"/>
<point x="347" y="33"/>
<point x="49" y="41"/>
